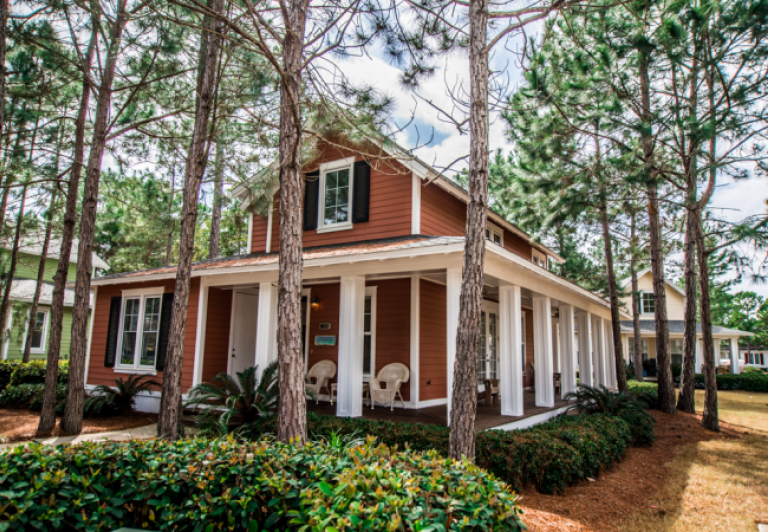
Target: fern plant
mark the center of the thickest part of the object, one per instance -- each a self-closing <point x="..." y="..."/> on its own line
<point x="118" y="400"/>
<point x="228" y="402"/>
<point x="593" y="400"/>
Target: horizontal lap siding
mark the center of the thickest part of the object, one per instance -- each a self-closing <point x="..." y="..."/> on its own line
<point x="393" y="325"/>
<point x="217" y="333"/>
<point x="97" y="373"/>
<point x="441" y="213"/>
<point x="517" y="245"/>
<point x="432" y="341"/>
<point x="328" y="312"/>
<point x="389" y="208"/>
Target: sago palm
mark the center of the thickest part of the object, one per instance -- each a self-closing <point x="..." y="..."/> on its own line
<point x="120" y="399"/>
<point x="593" y="400"/>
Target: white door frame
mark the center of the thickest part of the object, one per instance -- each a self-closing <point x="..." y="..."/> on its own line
<point x="232" y="327"/>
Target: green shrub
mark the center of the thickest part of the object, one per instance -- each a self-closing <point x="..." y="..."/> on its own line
<point x="677" y="371"/>
<point x="15" y="372"/>
<point x="646" y="392"/>
<point x="748" y="382"/>
<point x="548" y="457"/>
<point x="203" y="484"/>
<point x="30" y="396"/>
<point x="120" y="399"/>
<point x="752" y="370"/>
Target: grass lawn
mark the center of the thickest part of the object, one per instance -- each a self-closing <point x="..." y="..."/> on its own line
<point x="688" y="480"/>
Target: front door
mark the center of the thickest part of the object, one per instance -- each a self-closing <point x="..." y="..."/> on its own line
<point x="243" y="332"/>
<point x="488" y="359"/>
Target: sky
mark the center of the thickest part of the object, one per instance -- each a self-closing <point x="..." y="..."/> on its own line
<point x="733" y="200"/>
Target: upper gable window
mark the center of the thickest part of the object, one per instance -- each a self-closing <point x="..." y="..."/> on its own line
<point x="539" y="259"/>
<point x="494" y="234"/>
<point x="647" y="303"/>
<point x="336" y="189"/>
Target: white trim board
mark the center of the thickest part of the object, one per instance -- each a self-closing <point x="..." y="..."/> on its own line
<point x="532" y="420"/>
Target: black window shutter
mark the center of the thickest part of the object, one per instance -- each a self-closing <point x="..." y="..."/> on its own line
<point x="311" y="200"/>
<point x="362" y="192"/>
<point x="115" y="305"/>
<point x="165" y="328"/>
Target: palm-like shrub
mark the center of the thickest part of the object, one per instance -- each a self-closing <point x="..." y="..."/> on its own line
<point x="593" y="400"/>
<point x="228" y="402"/>
<point x="118" y="400"/>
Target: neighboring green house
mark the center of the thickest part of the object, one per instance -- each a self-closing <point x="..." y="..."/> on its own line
<point x="23" y="292"/>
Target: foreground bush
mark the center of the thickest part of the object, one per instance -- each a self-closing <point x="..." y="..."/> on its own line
<point x="548" y="457"/>
<point x="224" y="485"/>
<point x="646" y="392"/>
<point x="748" y="382"/>
<point x="30" y="396"/>
<point x="15" y="372"/>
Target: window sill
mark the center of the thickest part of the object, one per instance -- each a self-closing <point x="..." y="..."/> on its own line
<point x="335" y="227"/>
<point x="136" y="371"/>
<point x="37" y="351"/>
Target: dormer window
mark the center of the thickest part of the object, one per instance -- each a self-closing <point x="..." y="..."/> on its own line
<point x="539" y="259"/>
<point x="337" y="195"/>
<point x="494" y="234"/>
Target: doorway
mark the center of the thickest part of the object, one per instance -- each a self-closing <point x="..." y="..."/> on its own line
<point x="245" y="307"/>
<point x="488" y="359"/>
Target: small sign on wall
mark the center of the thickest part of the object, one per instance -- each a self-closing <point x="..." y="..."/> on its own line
<point x="325" y="340"/>
<point x="325" y="326"/>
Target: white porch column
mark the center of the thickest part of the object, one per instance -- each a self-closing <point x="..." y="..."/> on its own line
<point x="610" y="357"/>
<point x="556" y="363"/>
<point x="415" y="338"/>
<point x="598" y="350"/>
<point x="453" y="295"/>
<point x="585" y="347"/>
<point x="351" y="316"/>
<point x="567" y="350"/>
<point x="266" y="325"/>
<point x="716" y="348"/>
<point x="202" y="319"/>
<point x="735" y="361"/>
<point x="511" y="344"/>
<point x="542" y="351"/>
<point x="699" y="366"/>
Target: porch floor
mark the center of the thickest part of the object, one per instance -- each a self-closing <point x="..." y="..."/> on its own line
<point x="487" y="416"/>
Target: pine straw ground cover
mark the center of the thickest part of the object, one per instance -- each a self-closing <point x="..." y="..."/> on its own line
<point x="689" y="479"/>
<point x="21" y="425"/>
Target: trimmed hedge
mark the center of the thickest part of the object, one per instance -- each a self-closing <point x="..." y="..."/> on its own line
<point x="548" y="457"/>
<point x="30" y="396"/>
<point x="15" y="372"/>
<point x="201" y="485"/>
<point x="647" y="392"/>
<point x="748" y="382"/>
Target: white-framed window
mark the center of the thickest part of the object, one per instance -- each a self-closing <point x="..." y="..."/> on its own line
<point x="488" y="361"/>
<point x="139" y="330"/>
<point x="494" y="234"/>
<point x="369" y="332"/>
<point x="647" y="303"/>
<point x="539" y="259"/>
<point x="39" y="324"/>
<point x="336" y="189"/>
<point x="522" y="336"/>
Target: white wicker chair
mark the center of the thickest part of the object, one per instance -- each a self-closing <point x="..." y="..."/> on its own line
<point x="392" y="376"/>
<point x="322" y="373"/>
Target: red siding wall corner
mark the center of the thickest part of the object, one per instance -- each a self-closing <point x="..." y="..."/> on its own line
<point x="218" y="318"/>
<point x="433" y="381"/>
<point x="97" y="373"/>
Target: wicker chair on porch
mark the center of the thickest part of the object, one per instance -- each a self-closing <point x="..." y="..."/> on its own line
<point x="318" y="378"/>
<point x="558" y="382"/>
<point x="391" y="376"/>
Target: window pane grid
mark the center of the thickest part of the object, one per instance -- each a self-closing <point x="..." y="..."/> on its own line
<point x="336" y="208"/>
<point x="130" y="328"/>
<point x="37" y="331"/>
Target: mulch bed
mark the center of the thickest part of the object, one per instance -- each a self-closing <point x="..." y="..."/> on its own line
<point x="599" y="505"/>
<point x="21" y="425"/>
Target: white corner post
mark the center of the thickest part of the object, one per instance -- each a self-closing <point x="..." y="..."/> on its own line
<point x="735" y="361"/>
<point x="266" y="325"/>
<point x="511" y="344"/>
<point x="625" y="340"/>
<point x="610" y="356"/>
<point x="716" y="348"/>
<point x="542" y="351"/>
<point x="585" y="348"/>
<point x="556" y="364"/>
<point x="351" y="328"/>
<point x="453" y="296"/>
<point x="567" y="349"/>
<point x="202" y="319"/>
<point x="598" y="350"/>
<point x="699" y="366"/>
<point x="92" y="317"/>
<point x="415" y="338"/>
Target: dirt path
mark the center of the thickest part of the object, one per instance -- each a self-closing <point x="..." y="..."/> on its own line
<point x="689" y="479"/>
<point x="20" y="425"/>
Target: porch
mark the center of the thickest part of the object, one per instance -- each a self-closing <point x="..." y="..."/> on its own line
<point x="488" y="417"/>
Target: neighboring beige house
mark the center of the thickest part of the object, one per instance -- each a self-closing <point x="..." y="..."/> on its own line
<point x="726" y="340"/>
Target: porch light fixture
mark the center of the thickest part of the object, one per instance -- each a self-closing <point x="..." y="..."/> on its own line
<point x="315" y="303"/>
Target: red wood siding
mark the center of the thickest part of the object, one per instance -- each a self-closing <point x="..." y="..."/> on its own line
<point x="328" y="295"/>
<point x="393" y="325"/>
<point x="217" y="322"/>
<point x="517" y="245"/>
<point x="389" y="207"/>
<point x="432" y="341"/>
<point x="97" y="373"/>
<point x="442" y="213"/>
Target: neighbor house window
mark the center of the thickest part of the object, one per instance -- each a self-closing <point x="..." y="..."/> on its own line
<point x="643" y="348"/>
<point x="647" y="303"/>
<point x="539" y="259"/>
<point x="38" y="331"/>
<point x="494" y="234"/>
<point x="336" y="195"/>
<point x="369" y="332"/>
<point x="139" y="331"/>
<point x="676" y="350"/>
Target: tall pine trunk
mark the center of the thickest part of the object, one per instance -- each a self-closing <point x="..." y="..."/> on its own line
<point x="666" y="386"/>
<point x="218" y="184"/>
<point x="3" y="38"/>
<point x="12" y="268"/>
<point x="292" y="423"/>
<point x="169" y="422"/>
<point x="637" y="342"/>
<point x="686" y="398"/>
<point x="618" y="352"/>
<point x="48" y="413"/>
<point x="72" y="421"/>
<point x="40" y="278"/>
<point x="464" y="396"/>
